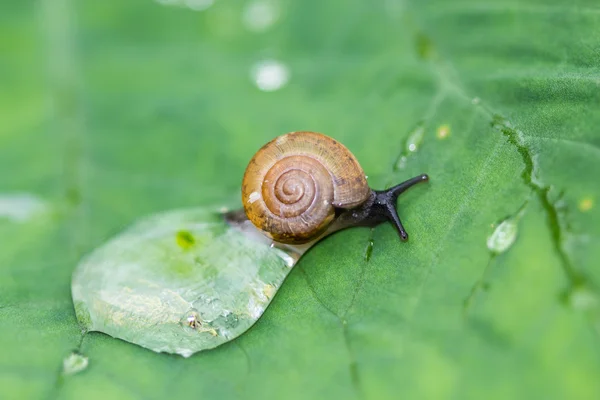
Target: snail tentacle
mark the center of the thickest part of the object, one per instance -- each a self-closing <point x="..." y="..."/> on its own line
<point x="402" y="187"/>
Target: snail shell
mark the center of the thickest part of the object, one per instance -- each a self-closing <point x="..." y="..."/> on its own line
<point x="294" y="183"/>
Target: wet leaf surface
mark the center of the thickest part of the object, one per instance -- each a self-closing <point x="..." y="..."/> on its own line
<point x="114" y="110"/>
<point x="180" y="281"/>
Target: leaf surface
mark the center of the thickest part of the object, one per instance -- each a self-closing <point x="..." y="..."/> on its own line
<point x="113" y="110"/>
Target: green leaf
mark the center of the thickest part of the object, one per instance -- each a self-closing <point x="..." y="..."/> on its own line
<point x="111" y="110"/>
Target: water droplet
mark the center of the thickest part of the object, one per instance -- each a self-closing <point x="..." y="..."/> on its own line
<point x="415" y="138"/>
<point x="74" y="363"/>
<point x="21" y="207"/>
<point x="260" y="15"/>
<point x="401" y="163"/>
<point x="503" y="236"/>
<point x="413" y="141"/>
<point x="270" y="75"/>
<point x="586" y="204"/>
<point x="475" y="101"/>
<point x="443" y="131"/>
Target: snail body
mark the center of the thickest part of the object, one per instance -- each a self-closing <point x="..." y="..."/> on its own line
<point x="297" y="186"/>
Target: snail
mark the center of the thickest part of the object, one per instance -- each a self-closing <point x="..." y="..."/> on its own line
<point x="303" y="185"/>
<point x="188" y="280"/>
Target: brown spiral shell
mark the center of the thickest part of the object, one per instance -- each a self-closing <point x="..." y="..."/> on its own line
<point x="294" y="183"/>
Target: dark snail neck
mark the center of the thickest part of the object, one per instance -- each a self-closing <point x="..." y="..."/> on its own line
<point x="379" y="208"/>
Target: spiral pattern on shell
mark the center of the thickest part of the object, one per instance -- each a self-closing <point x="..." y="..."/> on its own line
<point x="294" y="183"/>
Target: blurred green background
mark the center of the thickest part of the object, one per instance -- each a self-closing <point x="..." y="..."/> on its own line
<point x="110" y="110"/>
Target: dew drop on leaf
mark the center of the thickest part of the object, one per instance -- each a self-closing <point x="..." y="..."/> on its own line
<point x="411" y="145"/>
<point x="74" y="363"/>
<point x="21" y="207"/>
<point x="415" y="138"/>
<point x="503" y="236"/>
<point x="180" y="281"/>
<point x="270" y="75"/>
<point x="401" y="162"/>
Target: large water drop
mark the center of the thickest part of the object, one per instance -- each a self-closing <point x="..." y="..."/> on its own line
<point x="180" y="282"/>
<point x="503" y="236"/>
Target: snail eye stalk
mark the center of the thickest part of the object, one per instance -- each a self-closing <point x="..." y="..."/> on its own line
<point x="402" y="187"/>
<point x="385" y="202"/>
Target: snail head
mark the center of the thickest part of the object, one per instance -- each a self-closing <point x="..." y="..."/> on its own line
<point x="379" y="208"/>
